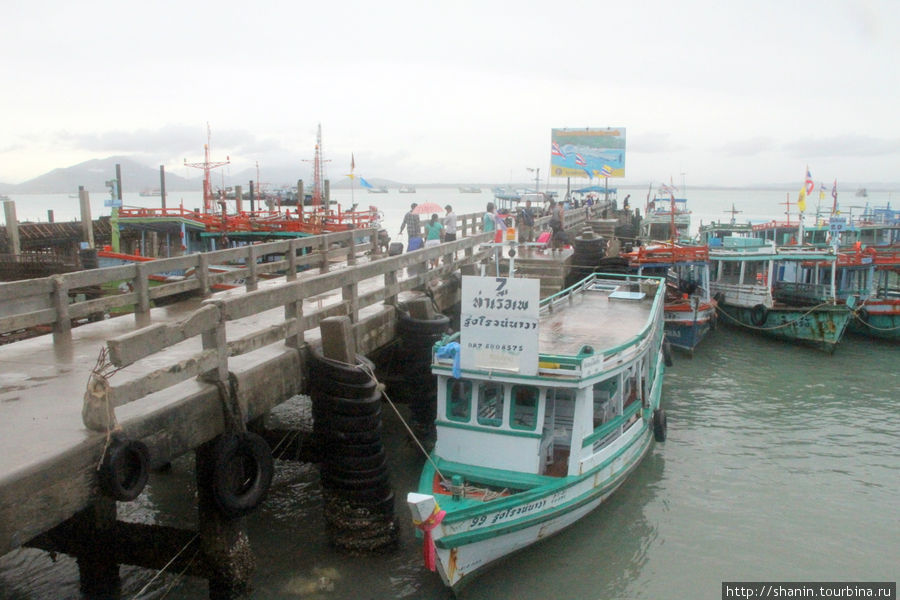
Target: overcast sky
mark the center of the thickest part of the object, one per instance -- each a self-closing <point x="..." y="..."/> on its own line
<point x="728" y="93"/>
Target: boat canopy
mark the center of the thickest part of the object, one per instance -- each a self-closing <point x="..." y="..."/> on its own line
<point x="595" y="188"/>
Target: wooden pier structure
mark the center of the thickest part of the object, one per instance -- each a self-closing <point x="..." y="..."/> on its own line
<point x="170" y="375"/>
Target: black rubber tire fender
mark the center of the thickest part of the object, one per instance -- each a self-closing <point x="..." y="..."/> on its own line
<point x="758" y="315"/>
<point x="436" y="326"/>
<point x="863" y="315"/>
<point x="375" y="482"/>
<point x="340" y="389"/>
<point x="241" y="473"/>
<point x="359" y="437"/>
<point x="357" y="463"/>
<point x="125" y="469"/>
<point x="667" y="354"/>
<point x="660" y="425"/>
<point x="355" y="450"/>
<point x="349" y="406"/>
<point x="351" y="424"/>
<point x="333" y="470"/>
<point x="327" y="369"/>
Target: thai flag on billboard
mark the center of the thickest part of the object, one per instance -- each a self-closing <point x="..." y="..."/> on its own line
<point x="556" y="150"/>
<point x="579" y="160"/>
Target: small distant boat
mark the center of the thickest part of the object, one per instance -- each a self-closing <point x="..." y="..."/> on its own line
<point x="469" y="189"/>
<point x="862" y="193"/>
<point x="407" y="189"/>
<point x="150" y="192"/>
<point x="534" y="435"/>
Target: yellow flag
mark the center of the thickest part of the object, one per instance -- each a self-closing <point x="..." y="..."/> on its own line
<point x="801" y="200"/>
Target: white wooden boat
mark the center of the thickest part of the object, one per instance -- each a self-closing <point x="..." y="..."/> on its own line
<point x="533" y="435"/>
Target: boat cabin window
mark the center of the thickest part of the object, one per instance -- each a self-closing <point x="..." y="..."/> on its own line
<point x="604" y="401"/>
<point x="524" y="407"/>
<point x="730" y="272"/>
<point x="459" y="400"/>
<point x="490" y="403"/>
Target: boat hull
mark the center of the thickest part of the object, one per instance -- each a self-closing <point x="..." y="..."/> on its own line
<point x="685" y="327"/>
<point x="879" y="318"/>
<point x="467" y="549"/>
<point x="821" y="327"/>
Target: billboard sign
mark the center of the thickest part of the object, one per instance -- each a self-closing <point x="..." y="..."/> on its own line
<point x="587" y="153"/>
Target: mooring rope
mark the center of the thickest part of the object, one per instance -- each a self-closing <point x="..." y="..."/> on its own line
<point x="382" y="388"/>
<point x="742" y="324"/>
<point x="166" y="566"/>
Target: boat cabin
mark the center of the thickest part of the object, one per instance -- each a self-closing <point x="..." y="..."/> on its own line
<point x="596" y="376"/>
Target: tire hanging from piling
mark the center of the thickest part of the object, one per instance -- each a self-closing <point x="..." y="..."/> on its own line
<point x="419" y="386"/>
<point x="359" y="501"/>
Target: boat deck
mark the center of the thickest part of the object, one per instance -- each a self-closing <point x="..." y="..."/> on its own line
<point x="595" y="319"/>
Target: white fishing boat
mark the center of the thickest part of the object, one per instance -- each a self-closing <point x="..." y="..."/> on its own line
<point x="543" y="411"/>
<point x="666" y="217"/>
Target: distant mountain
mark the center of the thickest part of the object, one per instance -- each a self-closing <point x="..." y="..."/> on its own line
<point x="93" y="174"/>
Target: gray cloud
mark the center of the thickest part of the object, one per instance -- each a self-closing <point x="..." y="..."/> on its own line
<point x="843" y="146"/>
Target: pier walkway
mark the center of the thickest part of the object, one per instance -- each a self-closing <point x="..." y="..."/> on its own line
<point x="165" y="366"/>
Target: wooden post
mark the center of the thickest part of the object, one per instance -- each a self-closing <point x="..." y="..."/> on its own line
<point x="87" y="226"/>
<point x="252" y="278"/>
<point x="49" y="215"/>
<point x="338" y="342"/>
<point x="162" y="186"/>
<point x="62" y="326"/>
<point x="98" y="571"/>
<point x="12" y="226"/>
<point x="238" y="198"/>
<point x="224" y="543"/>
<point x="300" y="194"/>
<point x="294" y="310"/>
<point x="390" y="284"/>
<point x="420" y="308"/>
<point x="252" y="197"/>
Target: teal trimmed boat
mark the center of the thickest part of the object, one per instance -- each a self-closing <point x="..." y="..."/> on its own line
<point x="521" y="455"/>
<point x="768" y="290"/>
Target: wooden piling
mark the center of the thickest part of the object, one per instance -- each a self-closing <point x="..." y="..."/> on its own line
<point x="12" y="227"/>
<point x="87" y="225"/>
<point x="162" y="185"/>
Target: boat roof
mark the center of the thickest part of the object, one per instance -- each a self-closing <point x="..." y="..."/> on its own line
<point x="605" y="315"/>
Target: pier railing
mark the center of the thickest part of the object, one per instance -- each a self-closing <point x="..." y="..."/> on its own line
<point x="58" y="300"/>
<point x="361" y="286"/>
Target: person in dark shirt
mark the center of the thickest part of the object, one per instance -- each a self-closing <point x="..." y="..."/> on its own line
<point x="411" y="223"/>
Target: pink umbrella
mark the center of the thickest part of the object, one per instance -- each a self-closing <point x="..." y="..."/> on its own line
<point x="428" y="208"/>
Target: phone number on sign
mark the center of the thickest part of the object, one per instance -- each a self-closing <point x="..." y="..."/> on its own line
<point x="501" y="347"/>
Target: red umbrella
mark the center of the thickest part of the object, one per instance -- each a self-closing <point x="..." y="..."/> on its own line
<point x="428" y="208"/>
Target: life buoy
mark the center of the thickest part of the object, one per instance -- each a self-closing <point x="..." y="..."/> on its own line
<point x="125" y="469"/>
<point x="660" y="425"/>
<point x="758" y="315"/>
<point x="241" y="473"/>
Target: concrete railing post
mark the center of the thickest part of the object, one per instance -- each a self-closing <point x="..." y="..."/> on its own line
<point x="62" y="326"/>
<point x="252" y="277"/>
<point x="141" y="287"/>
<point x="202" y="273"/>
<point x="292" y="260"/>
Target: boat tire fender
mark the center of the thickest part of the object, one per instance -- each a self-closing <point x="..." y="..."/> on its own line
<point x="242" y="473"/>
<point x="125" y="469"/>
<point x="660" y="425"/>
<point x="862" y="314"/>
<point x="758" y="315"/>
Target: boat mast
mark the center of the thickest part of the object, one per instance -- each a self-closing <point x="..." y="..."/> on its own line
<point x="207" y="166"/>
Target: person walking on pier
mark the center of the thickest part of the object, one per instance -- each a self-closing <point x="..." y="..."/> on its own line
<point x="434" y="231"/>
<point x="412" y="225"/>
<point x="526" y="223"/>
<point x="449" y="224"/>
<point x="488" y="224"/>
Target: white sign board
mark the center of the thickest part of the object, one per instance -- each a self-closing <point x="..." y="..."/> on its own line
<point x="499" y="324"/>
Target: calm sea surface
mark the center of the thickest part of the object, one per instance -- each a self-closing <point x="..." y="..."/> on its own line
<point x="782" y="463"/>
